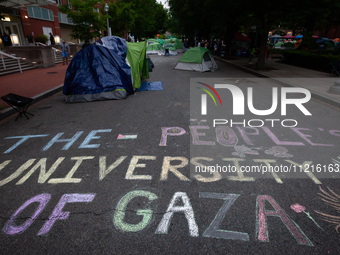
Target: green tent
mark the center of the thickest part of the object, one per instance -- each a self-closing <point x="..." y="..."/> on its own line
<point x="136" y="56"/>
<point x="179" y="44"/>
<point x="154" y="48"/>
<point x="169" y="41"/>
<point x="160" y="41"/>
<point x="197" y="59"/>
<point x="288" y="45"/>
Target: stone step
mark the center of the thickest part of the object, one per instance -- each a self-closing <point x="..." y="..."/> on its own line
<point x="14" y="64"/>
<point x="14" y="70"/>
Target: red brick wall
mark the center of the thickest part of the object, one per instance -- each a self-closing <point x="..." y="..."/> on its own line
<point x="35" y="25"/>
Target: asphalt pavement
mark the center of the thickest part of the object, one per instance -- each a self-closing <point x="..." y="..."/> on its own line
<point x="70" y="185"/>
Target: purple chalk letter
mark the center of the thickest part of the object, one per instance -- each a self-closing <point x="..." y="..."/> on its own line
<point x="165" y="133"/>
<point x="11" y="229"/>
<point x="58" y="214"/>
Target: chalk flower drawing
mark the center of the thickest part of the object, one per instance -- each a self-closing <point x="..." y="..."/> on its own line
<point x="332" y="199"/>
<point x="241" y="151"/>
<point x="300" y="208"/>
<point x="278" y="151"/>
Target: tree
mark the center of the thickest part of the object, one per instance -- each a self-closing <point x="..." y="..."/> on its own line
<point x="122" y="17"/>
<point x="87" y="22"/>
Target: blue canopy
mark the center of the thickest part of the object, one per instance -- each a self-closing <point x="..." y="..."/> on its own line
<point x="299" y="36"/>
<point x="97" y="69"/>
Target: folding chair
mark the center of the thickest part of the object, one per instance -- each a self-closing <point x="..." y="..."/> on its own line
<point x="336" y="68"/>
<point x="22" y="104"/>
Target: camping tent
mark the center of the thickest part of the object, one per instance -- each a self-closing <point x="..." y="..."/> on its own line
<point x="171" y="48"/>
<point x="278" y="45"/>
<point x="154" y="48"/>
<point x="149" y="41"/>
<point x="136" y="56"/>
<point x="179" y="45"/>
<point x="160" y="41"/>
<point x="197" y="59"/>
<point x="100" y="71"/>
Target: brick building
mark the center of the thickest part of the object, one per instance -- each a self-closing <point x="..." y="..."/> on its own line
<point x="30" y="18"/>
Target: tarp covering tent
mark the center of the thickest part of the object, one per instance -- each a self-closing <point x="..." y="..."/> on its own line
<point x="99" y="72"/>
<point x="154" y="48"/>
<point x="136" y="56"/>
<point x="197" y="59"/>
<point x="298" y="43"/>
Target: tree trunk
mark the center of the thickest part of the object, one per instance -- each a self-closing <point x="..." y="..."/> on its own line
<point x="262" y="53"/>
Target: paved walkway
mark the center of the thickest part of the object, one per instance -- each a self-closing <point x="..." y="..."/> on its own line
<point x="32" y="83"/>
<point x="318" y="83"/>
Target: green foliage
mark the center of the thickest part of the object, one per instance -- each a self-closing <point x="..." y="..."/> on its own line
<point x="143" y="18"/>
<point x="311" y="59"/>
<point x="309" y="42"/>
<point x="87" y="22"/>
<point x="122" y="17"/>
<point x="41" y="38"/>
<point x="275" y="51"/>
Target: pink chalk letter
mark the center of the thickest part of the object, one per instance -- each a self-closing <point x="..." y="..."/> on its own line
<point x="262" y="214"/>
<point x="174" y="132"/>
<point x="196" y="135"/>
<point x="244" y="134"/>
<point x="304" y="137"/>
<point x="276" y="140"/>
<point x="226" y="136"/>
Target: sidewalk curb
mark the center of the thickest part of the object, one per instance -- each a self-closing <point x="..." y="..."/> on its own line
<point x="315" y="95"/>
<point x="10" y="111"/>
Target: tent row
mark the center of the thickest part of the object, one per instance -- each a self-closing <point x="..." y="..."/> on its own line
<point x="111" y="68"/>
<point x="159" y="46"/>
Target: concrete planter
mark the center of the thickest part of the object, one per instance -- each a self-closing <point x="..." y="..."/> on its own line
<point x="40" y="56"/>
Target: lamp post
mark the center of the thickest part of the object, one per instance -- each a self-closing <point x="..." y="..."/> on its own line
<point x="106" y="8"/>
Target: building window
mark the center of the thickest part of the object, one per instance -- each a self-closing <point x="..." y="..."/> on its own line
<point x="40" y="13"/>
<point x="64" y="19"/>
<point x="58" y="2"/>
<point x="96" y="9"/>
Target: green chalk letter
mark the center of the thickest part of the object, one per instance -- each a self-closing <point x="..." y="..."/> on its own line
<point x="118" y="218"/>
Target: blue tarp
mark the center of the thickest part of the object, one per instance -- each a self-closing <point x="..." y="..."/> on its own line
<point x="98" y="68"/>
<point x="153" y="85"/>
